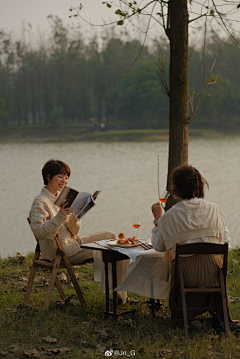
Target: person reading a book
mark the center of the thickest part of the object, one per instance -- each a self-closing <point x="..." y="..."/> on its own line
<point x="47" y="219"/>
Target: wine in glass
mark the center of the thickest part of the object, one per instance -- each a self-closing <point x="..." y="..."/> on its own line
<point x="164" y="196"/>
<point x="136" y="223"/>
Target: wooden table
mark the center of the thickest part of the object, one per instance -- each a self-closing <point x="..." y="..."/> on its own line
<point x="109" y="256"/>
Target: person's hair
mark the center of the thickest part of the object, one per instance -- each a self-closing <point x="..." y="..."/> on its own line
<point x="187" y="182"/>
<point x="53" y="168"/>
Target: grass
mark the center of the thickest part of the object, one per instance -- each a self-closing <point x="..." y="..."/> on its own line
<point x="87" y="334"/>
<point x="65" y="133"/>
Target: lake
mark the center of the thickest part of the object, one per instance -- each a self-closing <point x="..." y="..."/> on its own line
<point x="126" y="174"/>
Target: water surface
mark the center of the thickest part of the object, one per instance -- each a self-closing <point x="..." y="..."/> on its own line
<point x="126" y="173"/>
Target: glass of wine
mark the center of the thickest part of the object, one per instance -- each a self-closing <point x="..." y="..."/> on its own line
<point x="164" y="196"/>
<point x="136" y="223"/>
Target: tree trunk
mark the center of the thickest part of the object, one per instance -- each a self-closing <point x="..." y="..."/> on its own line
<point x="178" y="80"/>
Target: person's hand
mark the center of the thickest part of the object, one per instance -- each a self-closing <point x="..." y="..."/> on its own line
<point x="66" y="211"/>
<point x="157" y="210"/>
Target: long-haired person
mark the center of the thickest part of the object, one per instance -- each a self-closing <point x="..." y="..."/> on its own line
<point x="191" y="220"/>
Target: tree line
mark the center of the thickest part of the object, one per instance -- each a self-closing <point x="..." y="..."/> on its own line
<point x="62" y="78"/>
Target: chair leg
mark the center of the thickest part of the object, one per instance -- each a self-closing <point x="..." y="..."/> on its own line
<point x="74" y="281"/>
<point x="31" y="279"/>
<point x="174" y="299"/>
<point x="224" y="303"/>
<point x="184" y="308"/>
<point x="60" y="288"/>
<point x="52" y="282"/>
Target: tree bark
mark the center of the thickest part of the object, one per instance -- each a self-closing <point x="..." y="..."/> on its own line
<point x="178" y="83"/>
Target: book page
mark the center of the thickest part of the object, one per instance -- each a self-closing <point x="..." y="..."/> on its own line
<point x="80" y="201"/>
<point x="66" y="195"/>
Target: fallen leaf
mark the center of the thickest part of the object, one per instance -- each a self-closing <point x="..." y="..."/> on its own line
<point x="49" y="339"/>
<point x="20" y="257"/>
<point x="231" y="272"/>
<point x="166" y="351"/>
<point x="32" y="353"/>
<point x="233" y="299"/>
<point x="213" y="337"/>
<point x="86" y="323"/>
<point x="58" y="350"/>
<point x="75" y="302"/>
<point x="65" y="301"/>
<point x="103" y="332"/>
<point x="23" y="279"/>
<point x="235" y="261"/>
<point x="15" y="349"/>
<point x="62" y="276"/>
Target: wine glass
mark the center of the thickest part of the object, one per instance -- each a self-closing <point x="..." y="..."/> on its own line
<point x="136" y="223"/>
<point x="164" y="196"/>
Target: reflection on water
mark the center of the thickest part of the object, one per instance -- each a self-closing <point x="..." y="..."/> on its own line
<point x="126" y="174"/>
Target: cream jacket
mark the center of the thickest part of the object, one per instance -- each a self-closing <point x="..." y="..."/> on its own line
<point x="47" y="220"/>
<point x="189" y="220"/>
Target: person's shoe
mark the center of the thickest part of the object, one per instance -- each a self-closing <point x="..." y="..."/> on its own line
<point x="128" y="300"/>
<point x="132" y="301"/>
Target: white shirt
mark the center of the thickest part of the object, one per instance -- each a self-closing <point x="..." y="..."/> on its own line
<point x="157" y="240"/>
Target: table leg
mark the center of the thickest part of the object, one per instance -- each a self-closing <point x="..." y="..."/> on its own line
<point x="152" y="302"/>
<point x="114" y="284"/>
<point x="106" y="289"/>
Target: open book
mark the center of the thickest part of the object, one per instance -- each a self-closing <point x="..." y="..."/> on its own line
<point x="81" y="202"/>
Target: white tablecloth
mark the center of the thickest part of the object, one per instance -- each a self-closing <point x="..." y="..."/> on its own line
<point x="148" y="274"/>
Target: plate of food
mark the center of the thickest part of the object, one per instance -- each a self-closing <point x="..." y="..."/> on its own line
<point x="124" y="242"/>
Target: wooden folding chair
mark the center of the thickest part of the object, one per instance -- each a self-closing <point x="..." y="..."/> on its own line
<point x="200" y="248"/>
<point x="61" y="261"/>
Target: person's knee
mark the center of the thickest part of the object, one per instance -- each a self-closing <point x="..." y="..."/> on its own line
<point x="110" y="234"/>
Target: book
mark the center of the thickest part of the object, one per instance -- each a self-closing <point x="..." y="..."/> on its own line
<point x="81" y="202"/>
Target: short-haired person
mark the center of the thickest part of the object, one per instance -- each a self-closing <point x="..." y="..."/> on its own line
<point x="191" y="220"/>
<point x="47" y="219"/>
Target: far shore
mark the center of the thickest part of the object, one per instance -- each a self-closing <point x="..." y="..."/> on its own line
<point x="81" y="134"/>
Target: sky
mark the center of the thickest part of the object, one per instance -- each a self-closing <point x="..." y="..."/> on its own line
<point x="14" y="12"/>
<point x="35" y="12"/>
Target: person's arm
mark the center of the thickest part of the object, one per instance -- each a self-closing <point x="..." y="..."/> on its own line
<point x="42" y="226"/>
<point x="156" y="239"/>
<point x="73" y="224"/>
<point x="226" y="237"/>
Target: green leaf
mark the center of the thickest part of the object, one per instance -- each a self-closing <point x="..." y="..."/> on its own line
<point x="121" y="22"/>
<point x="104" y="2"/>
<point x="160" y="14"/>
<point x="118" y="12"/>
<point x="135" y="3"/>
<point x="70" y="9"/>
<point x="211" y="12"/>
<point x="139" y="11"/>
<point x="109" y="5"/>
